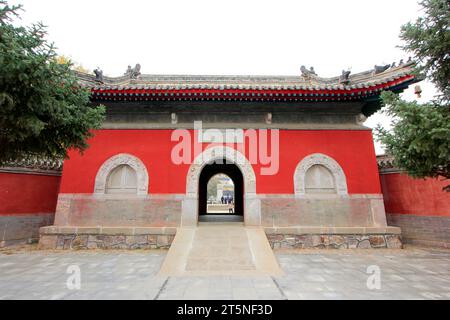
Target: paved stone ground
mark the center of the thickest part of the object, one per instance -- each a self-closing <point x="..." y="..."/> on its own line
<point x="405" y="274"/>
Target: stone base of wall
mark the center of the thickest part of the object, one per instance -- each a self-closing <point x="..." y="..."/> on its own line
<point x="86" y="210"/>
<point x="22" y="228"/>
<point x="334" y="238"/>
<point x="423" y="230"/>
<point x="361" y="210"/>
<point x="75" y="238"/>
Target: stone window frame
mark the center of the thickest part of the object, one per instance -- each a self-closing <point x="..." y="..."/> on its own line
<point x="326" y="161"/>
<point x="122" y="159"/>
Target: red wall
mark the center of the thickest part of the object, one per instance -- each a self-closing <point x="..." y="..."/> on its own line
<point x="406" y="195"/>
<point x="353" y="150"/>
<point x="27" y="193"/>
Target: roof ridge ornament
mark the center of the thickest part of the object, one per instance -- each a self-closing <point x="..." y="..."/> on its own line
<point x="345" y="77"/>
<point x="381" y="69"/>
<point x="133" y="73"/>
<point x="98" y="75"/>
<point x="307" y="73"/>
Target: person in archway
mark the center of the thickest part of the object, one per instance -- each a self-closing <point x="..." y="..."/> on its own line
<point x="231" y="208"/>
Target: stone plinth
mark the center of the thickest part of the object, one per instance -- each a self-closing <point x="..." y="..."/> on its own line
<point x="334" y="238"/>
<point x="85" y="238"/>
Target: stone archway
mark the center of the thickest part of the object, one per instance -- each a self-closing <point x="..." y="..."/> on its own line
<point x="231" y="171"/>
<point x="252" y="205"/>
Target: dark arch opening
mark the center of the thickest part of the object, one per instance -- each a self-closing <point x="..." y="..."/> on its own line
<point x="235" y="174"/>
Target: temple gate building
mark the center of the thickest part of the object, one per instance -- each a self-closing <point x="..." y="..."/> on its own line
<point x="301" y="160"/>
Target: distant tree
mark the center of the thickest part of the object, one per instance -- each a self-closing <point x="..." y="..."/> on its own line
<point x="74" y="65"/>
<point x="420" y="137"/>
<point x="43" y="109"/>
<point x="212" y="186"/>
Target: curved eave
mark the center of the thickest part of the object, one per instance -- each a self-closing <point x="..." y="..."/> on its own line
<point x="373" y="103"/>
<point x="368" y="93"/>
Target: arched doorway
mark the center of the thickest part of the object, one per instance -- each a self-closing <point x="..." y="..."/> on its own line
<point x="211" y="170"/>
<point x="190" y="204"/>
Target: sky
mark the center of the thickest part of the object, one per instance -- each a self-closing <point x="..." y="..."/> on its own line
<point x="233" y="37"/>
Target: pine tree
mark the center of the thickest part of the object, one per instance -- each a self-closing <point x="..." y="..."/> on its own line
<point x="43" y="109"/>
<point x="420" y="137"/>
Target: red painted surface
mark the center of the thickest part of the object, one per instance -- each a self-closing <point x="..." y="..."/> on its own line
<point x="27" y="193"/>
<point x="406" y="195"/>
<point x="353" y="150"/>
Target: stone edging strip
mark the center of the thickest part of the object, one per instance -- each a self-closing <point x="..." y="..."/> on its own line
<point x="333" y="230"/>
<point x="132" y="231"/>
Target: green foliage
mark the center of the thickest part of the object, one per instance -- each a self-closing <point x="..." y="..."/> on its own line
<point x="420" y="138"/>
<point x="43" y="109"/>
<point x="428" y="39"/>
<point x="212" y="187"/>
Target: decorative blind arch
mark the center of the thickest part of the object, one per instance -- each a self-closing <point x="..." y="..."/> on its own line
<point x="319" y="179"/>
<point x="119" y="160"/>
<point x="340" y="181"/>
<point x="122" y="180"/>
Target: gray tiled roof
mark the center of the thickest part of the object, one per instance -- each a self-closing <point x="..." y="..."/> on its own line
<point x="385" y="162"/>
<point x="35" y="162"/>
<point x="185" y="82"/>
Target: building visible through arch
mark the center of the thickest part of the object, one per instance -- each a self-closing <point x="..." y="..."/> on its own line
<point x="301" y="159"/>
<point x="232" y="171"/>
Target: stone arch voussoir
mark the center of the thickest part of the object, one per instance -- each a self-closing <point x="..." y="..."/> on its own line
<point x="252" y="206"/>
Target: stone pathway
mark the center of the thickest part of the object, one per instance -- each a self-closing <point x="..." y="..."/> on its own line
<point x="220" y="249"/>
<point x="333" y="274"/>
<point x="404" y="274"/>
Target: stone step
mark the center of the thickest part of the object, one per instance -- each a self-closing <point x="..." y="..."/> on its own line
<point x="211" y="218"/>
<point x="220" y="249"/>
